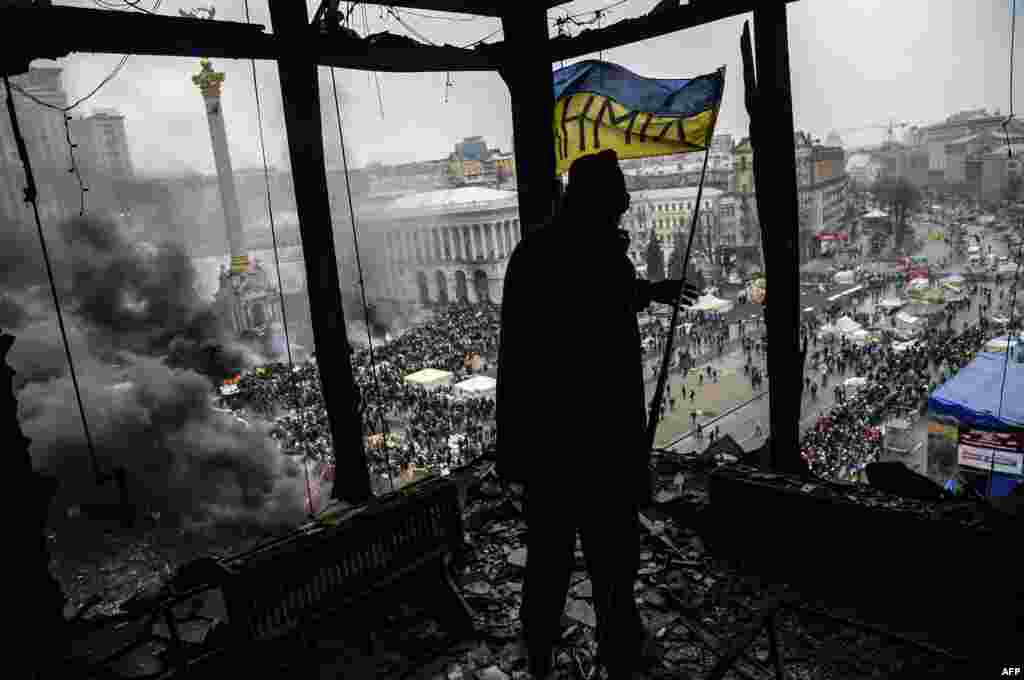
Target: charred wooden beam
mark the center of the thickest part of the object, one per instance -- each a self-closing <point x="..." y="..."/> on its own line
<point x="300" y="94"/>
<point x="531" y="83"/>
<point x="59" y="31"/>
<point x="777" y="200"/>
<point x="413" y="59"/>
<point x="655" y="24"/>
<point x="487" y="8"/>
<point x="77" y="29"/>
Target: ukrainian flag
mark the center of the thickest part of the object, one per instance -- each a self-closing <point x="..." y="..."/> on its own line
<point x="600" y="106"/>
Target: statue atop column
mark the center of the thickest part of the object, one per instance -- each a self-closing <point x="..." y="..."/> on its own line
<point x="247" y="301"/>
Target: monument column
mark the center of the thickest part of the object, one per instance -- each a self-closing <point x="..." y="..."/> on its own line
<point x="210" y="83"/>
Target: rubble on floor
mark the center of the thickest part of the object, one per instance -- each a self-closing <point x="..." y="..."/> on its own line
<point x="693" y="605"/>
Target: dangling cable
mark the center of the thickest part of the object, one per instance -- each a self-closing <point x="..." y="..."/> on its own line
<point x="1010" y="344"/>
<point x="652" y="421"/>
<point x="74" y="166"/>
<point x="30" y="197"/>
<point x="362" y="283"/>
<point x="277" y="259"/>
<point x="270" y="206"/>
<point x="1013" y="35"/>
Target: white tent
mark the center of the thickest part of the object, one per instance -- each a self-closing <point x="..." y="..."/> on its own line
<point x="855" y="383"/>
<point x="954" y="279"/>
<point x="847" y="325"/>
<point x="826" y="330"/>
<point x="844" y="278"/>
<point x="891" y="303"/>
<point x="429" y="378"/>
<point x="903" y="346"/>
<point x="1008" y="268"/>
<point x="860" y="336"/>
<point x="973" y="250"/>
<point x="477" y="386"/>
<point x="905" y="318"/>
<point x="875" y="214"/>
<point x="710" y="303"/>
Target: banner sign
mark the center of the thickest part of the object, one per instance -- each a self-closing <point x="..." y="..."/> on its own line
<point x="599" y="105"/>
<point x="1002" y="452"/>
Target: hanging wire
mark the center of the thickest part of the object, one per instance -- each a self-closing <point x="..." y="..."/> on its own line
<point x="409" y="28"/>
<point x="659" y="392"/>
<point x="376" y="76"/>
<point x="277" y="258"/>
<point x="127" y="3"/>
<point x="442" y="18"/>
<point x="1010" y="345"/>
<point x="270" y="206"/>
<point x="571" y="18"/>
<point x="1013" y="35"/>
<point x="66" y="109"/>
<point x="31" y="196"/>
<point x="362" y="282"/>
<point x="366" y="32"/>
<point x="74" y="166"/>
<point x="477" y="42"/>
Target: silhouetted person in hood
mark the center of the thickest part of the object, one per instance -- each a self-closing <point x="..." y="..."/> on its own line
<point x="571" y="410"/>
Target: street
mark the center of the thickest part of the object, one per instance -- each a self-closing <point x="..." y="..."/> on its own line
<point x="736" y="409"/>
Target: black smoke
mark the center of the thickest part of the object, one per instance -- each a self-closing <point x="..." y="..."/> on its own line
<point x="147" y="352"/>
<point x="182" y="457"/>
<point x="142" y="299"/>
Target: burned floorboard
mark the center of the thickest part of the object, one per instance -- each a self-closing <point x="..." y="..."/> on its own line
<point x="700" y="609"/>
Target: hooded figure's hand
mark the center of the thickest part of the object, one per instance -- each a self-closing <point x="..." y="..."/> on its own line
<point x="673" y="291"/>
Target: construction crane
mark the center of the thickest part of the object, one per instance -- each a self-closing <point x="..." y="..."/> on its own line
<point x="890" y="126"/>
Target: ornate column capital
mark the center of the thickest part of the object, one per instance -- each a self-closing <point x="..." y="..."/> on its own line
<point x="208" y="80"/>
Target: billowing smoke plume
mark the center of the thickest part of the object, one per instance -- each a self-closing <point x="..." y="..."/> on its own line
<point x="181" y="456"/>
<point x="141" y="338"/>
<point x="139" y="299"/>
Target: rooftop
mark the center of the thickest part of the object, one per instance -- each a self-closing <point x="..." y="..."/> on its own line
<point x="448" y="200"/>
<point x="677" y="193"/>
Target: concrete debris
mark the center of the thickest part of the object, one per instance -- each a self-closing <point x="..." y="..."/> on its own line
<point x="492" y="673"/>
<point x="584" y="589"/>
<point x="479" y="588"/>
<point x="693" y="605"/>
<point x="581" y="611"/>
<point x="518" y="557"/>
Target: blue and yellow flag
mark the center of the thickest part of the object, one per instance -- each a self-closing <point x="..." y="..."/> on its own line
<point x="600" y="106"/>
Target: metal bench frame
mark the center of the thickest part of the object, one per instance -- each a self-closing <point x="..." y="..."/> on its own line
<point x="321" y="571"/>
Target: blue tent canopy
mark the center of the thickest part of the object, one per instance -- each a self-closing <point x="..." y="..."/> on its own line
<point x="972" y="396"/>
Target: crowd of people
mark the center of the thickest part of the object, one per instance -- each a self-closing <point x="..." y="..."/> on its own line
<point x="897" y="383"/>
<point x="406" y="426"/>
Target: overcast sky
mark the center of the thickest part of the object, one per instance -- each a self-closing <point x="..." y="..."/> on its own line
<point x="854" y="63"/>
